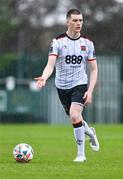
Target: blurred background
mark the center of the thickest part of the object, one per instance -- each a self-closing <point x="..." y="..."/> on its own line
<point x="26" y="30"/>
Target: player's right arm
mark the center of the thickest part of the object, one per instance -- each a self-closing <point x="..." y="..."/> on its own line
<point x="48" y="70"/>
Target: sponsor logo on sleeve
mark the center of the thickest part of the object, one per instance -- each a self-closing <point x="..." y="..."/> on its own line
<point x="94" y="54"/>
<point x="51" y="47"/>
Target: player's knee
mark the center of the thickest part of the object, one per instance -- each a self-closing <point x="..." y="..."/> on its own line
<point x="75" y="117"/>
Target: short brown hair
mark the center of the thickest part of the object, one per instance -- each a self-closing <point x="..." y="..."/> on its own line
<point x="73" y="11"/>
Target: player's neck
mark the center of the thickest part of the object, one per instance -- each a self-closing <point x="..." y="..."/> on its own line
<point x="73" y="35"/>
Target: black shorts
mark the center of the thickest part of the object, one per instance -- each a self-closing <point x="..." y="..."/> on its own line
<point x="75" y="94"/>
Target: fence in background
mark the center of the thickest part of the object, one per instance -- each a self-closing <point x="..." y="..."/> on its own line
<point x="24" y="103"/>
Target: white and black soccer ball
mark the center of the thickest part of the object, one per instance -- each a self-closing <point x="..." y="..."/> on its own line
<point x="23" y="152"/>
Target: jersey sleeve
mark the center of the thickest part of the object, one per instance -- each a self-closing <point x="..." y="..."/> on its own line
<point x="53" y="50"/>
<point x="91" y="54"/>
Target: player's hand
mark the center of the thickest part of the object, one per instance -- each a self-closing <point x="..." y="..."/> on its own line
<point x="40" y="82"/>
<point x="88" y="98"/>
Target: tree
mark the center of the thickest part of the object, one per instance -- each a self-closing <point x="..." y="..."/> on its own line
<point x="100" y="19"/>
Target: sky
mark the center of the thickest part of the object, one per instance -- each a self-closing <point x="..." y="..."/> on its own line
<point x="120" y="1"/>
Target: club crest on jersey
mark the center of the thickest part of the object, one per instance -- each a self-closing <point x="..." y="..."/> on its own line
<point x="83" y="48"/>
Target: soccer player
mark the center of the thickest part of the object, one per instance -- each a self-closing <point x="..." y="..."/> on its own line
<point x="70" y="53"/>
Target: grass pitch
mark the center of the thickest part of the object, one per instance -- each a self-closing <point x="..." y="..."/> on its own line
<point x="54" y="151"/>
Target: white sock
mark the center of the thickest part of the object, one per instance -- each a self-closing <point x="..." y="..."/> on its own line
<point x="88" y="130"/>
<point x="79" y="134"/>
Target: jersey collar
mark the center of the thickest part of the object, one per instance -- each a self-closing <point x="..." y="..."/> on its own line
<point x="73" y="38"/>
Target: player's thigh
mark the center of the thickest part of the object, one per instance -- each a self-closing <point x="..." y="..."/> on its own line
<point x="76" y="113"/>
<point x="77" y="102"/>
<point x="76" y="109"/>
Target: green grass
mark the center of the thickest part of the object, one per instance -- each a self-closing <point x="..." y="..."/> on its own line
<point x="55" y="149"/>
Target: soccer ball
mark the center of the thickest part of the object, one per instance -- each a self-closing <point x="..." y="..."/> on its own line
<point x="23" y="152"/>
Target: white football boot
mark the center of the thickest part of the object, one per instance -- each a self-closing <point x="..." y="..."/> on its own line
<point x="94" y="141"/>
<point x="80" y="158"/>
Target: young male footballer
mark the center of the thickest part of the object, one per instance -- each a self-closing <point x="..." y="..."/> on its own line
<point x="70" y="53"/>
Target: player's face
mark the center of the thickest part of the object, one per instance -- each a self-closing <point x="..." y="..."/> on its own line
<point x="75" y="23"/>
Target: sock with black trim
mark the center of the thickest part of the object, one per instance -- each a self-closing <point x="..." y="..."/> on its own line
<point x="79" y="134"/>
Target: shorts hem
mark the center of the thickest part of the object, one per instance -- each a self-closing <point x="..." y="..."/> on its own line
<point x="78" y="103"/>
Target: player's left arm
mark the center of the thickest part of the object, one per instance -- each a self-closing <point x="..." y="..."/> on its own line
<point x="93" y="75"/>
<point x="92" y="81"/>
